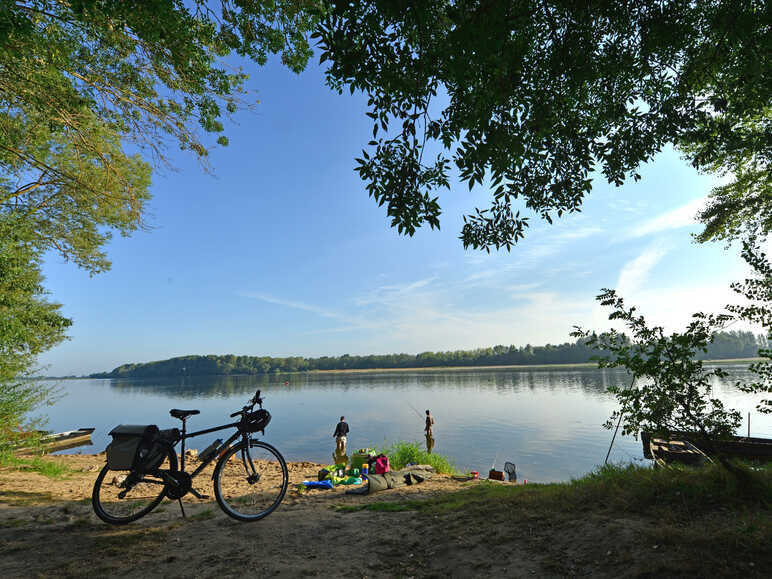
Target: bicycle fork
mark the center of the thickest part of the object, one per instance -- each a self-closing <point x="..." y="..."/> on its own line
<point x="252" y="475"/>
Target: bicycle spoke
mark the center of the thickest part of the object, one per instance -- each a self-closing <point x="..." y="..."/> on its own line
<point x="120" y="497"/>
<point x="251" y="489"/>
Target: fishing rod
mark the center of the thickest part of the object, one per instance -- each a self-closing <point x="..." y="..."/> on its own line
<point x="414" y="410"/>
<point x="617" y="428"/>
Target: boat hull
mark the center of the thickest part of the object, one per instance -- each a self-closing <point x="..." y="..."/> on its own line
<point x="747" y="448"/>
<point x="65" y="440"/>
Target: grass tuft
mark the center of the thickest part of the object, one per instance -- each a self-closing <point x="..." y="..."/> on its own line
<point x="402" y="453"/>
<point x="46" y="466"/>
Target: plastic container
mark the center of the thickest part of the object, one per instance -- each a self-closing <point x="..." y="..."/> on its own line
<point x="364" y="471"/>
<point x="209" y="451"/>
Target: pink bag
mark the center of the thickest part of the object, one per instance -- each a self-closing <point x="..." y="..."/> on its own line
<point x="382" y="464"/>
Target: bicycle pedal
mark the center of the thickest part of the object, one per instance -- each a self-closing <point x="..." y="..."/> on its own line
<point x="198" y="495"/>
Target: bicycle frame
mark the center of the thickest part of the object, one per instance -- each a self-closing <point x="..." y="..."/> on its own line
<point x="215" y="456"/>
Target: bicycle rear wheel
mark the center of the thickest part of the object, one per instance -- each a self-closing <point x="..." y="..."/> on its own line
<point x="250" y="482"/>
<point x="120" y="497"/>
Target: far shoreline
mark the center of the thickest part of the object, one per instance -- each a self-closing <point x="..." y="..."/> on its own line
<point x="496" y="367"/>
<point x="386" y="370"/>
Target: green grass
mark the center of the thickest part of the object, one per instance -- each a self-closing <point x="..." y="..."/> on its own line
<point x="707" y="520"/>
<point x="402" y="453"/>
<point x="45" y="466"/>
<point x="630" y="489"/>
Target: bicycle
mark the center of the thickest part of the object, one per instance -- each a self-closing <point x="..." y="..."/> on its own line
<point x="250" y="478"/>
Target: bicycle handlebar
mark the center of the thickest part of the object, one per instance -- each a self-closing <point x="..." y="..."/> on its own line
<point x="255" y="400"/>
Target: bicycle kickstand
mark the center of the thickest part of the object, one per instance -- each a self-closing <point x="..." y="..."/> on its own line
<point x="182" y="508"/>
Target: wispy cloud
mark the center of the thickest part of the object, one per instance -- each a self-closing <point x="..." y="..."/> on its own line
<point x="634" y="273"/>
<point x="683" y="216"/>
<point x="577" y="233"/>
<point x="291" y="304"/>
<point x="518" y="289"/>
<point x="498" y="270"/>
<point x="394" y="292"/>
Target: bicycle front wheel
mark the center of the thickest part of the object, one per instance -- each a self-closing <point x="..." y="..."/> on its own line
<point x="120" y="497"/>
<point x="250" y="481"/>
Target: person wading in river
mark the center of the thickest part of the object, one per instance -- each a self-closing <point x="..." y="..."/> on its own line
<point x="429" y="431"/>
<point x="341" y="430"/>
<point x="429" y="428"/>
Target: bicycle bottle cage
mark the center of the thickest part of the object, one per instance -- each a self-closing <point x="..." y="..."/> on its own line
<point x="256" y="420"/>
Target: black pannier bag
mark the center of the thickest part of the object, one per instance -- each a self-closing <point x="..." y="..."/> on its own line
<point x="132" y="446"/>
<point x="157" y="453"/>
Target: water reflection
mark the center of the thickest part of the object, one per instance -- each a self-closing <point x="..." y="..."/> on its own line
<point x="506" y="381"/>
<point x="429" y="443"/>
<point x="339" y="457"/>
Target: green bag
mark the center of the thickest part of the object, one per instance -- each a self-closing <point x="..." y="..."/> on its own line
<point x="361" y="457"/>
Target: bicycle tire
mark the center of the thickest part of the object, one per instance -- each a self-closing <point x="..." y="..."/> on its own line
<point x="108" y="506"/>
<point x="246" y="500"/>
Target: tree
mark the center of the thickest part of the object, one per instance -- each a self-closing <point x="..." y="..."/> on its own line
<point x="675" y="393"/>
<point x="29" y="324"/>
<point x="532" y="98"/>
<point x="758" y="291"/>
<point x="94" y="91"/>
<point x="672" y="390"/>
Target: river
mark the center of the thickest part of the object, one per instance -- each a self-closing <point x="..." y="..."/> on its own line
<point x="548" y="421"/>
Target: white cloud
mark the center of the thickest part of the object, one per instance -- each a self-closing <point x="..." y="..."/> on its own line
<point x="683" y="216"/>
<point x="635" y="272"/>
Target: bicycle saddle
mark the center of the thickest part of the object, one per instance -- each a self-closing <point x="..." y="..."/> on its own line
<point x="183" y="414"/>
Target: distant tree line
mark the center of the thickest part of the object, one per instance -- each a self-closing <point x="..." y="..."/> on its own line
<point x="725" y="345"/>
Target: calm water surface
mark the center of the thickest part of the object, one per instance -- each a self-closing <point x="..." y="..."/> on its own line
<point x="547" y="421"/>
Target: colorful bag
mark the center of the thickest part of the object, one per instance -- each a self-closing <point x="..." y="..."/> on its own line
<point x="382" y="464"/>
<point x="318" y="484"/>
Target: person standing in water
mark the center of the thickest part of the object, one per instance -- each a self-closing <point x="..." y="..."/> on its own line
<point x="429" y="428"/>
<point x="341" y="431"/>
<point x="429" y="431"/>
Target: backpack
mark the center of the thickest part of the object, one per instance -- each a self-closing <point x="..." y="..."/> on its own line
<point x="382" y="464"/>
<point x="135" y="447"/>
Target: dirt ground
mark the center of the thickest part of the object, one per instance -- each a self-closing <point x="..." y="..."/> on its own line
<point x="48" y="529"/>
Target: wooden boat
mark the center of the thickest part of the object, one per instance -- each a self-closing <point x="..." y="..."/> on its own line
<point x="665" y="451"/>
<point x="68" y="439"/>
<point x="744" y="447"/>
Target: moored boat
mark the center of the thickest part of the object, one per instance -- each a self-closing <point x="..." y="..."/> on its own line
<point x="745" y="447"/>
<point x="665" y="451"/>
<point x="68" y="439"/>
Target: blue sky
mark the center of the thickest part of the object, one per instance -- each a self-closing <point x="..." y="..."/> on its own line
<point x="280" y="252"/>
